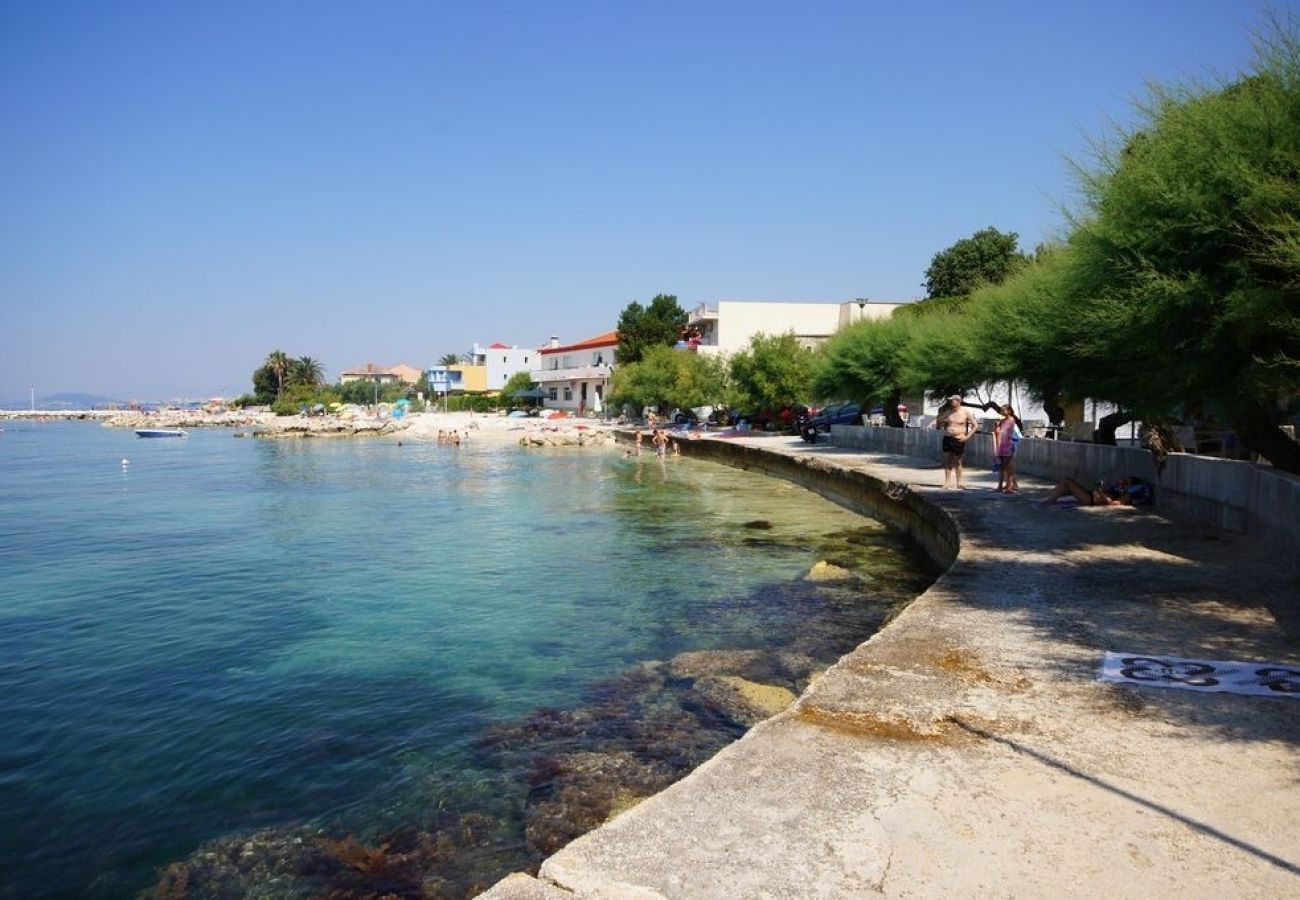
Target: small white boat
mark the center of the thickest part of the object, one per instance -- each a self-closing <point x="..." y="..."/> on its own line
<point x="160" y="433"/>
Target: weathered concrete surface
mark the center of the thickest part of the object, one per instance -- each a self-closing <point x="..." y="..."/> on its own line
<point x="967" y="750"/>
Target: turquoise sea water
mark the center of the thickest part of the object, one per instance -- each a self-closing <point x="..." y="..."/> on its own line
<point x="232" y="635"/>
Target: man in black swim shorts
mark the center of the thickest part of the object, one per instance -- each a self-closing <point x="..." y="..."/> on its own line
<point x="957" y="424"/>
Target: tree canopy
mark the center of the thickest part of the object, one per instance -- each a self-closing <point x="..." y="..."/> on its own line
<point x="986" y="257"/>
<point x="640" y="327"/>
<point x="1176" y="295"/>
<point x="520" y="381"/>
<point x="666" y="378"/>
<point x="773" y="371"/>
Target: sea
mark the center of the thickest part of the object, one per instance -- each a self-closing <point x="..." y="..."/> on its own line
<point x="299" y="668"/>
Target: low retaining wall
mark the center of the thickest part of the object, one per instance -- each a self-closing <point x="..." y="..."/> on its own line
<point x="1237" y="496"/>
<point x="893" y="503"/>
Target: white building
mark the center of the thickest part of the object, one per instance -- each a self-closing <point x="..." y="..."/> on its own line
<point x="502" y="361"/>
<point x="728" y="326"/>
<point x="575" y="376"/>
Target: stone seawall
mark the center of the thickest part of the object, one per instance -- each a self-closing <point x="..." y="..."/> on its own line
<point x="1240" y="497"/>
<point x="969" y="749"/>
<point x="891" y="502"/>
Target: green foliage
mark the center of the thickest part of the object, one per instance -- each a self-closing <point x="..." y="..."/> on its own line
<point x="365" y="393"/>
<point x="265" y="385"/>
<point x="520" y="381"/>
<point x="986" y="257"/>
<point x="667" y="378"/>
<point x="863" y="362"/>
<point x="450" y="359"/>
<point x="464" y="403"/>
<point x="305" y="370"/>
<point x="1183" y="273"/>
<point x="640" y="328"/>
<point x="279" y="363"/>
<point x="772" y="372"/>
<point x="280" y="371"/>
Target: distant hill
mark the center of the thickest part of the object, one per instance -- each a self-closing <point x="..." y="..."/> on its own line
<point x="64" y="401"/>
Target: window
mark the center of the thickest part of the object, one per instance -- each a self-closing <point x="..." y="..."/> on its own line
<point x="551" y="393"/>
<point x="568" y="392"/>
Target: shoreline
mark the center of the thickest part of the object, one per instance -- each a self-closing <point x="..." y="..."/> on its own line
<point x="968" y="748"/>
<point x="475" y="428"/>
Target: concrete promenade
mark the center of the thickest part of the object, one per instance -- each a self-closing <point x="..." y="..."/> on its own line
<point x="967" y="750"/>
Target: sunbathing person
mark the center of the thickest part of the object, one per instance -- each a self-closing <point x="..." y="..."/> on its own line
<point x="1124" y="492"/>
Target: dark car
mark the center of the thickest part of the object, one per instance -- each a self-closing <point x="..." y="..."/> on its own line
<point x="838" y="414"/>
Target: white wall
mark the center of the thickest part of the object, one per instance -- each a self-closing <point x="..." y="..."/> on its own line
<point x="501" y="364"/>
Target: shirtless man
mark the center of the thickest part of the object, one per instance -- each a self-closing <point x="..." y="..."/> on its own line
<point x="957" y="424"/>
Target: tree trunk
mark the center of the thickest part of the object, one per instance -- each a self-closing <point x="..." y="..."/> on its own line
<point x="1052" y="406"/>
<point x="892" y="418"/>
<point x="1259" y="432"/>
<point x="1105" y="431"/>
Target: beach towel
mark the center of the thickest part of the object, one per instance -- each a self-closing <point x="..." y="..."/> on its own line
<point x="1256" y="679"/>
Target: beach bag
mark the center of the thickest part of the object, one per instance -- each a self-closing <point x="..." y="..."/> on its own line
<point x="997" y="464"/>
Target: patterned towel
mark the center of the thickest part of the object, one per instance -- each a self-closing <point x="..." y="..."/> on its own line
<point x="1254" y="678"/>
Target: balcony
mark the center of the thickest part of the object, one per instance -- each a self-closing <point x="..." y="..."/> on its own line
<point x="575" y="373"/>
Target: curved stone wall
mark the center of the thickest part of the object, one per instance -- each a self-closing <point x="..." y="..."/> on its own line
<point x="893" y="503"/>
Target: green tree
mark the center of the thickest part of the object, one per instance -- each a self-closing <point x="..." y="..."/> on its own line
<point x="666" y="378"/>
<point x="640" y="328"/>
<point x="265" y="385"/>
<point x="520" y="381"/>
<point x="279" y="363"/>
<point x="865" y="362"/>
<point x="450" y="359"/>
<point x="986" y="257"/>
<point x="774" y="371"/>
<point x="307" y="371"/>
<point x="1182" y="274"/>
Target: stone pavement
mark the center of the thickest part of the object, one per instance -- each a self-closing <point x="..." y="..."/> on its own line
<point x="967" y="750"/>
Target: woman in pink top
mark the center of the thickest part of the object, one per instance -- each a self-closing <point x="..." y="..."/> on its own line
<point x="1006" y="434"/>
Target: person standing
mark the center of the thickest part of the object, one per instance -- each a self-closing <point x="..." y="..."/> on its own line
<point x="957" y="424"/>
<point x="1006" y="435"/>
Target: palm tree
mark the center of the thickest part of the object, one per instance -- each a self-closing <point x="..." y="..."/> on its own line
<point x="308" y="371"/>
<point x="279" y="363"/>
<point x="449" y="359"/>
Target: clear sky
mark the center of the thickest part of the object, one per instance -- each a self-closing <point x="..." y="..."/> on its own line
<point x="185" y="187"/>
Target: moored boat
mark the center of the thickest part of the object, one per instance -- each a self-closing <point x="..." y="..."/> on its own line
<point x="160" y="433"/>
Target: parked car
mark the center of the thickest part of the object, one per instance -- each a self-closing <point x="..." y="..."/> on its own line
<point x="783" y="419"/>
<point x="838" y="414"/>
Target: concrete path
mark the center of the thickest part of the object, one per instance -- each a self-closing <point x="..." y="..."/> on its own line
<point x="969" y="751"/>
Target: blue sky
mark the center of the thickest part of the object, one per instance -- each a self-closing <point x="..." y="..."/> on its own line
<point x="185" y="187"/>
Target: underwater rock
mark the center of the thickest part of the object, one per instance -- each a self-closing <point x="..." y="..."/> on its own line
<point x="747" y="702"/>
<point x="792" y="670"/>
<point x="825" y="571"/>
<point x="759" y="524"/>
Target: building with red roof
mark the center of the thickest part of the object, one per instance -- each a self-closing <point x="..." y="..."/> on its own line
<point x="575" y="376"/>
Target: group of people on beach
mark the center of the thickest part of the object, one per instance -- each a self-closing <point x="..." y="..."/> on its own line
<point x="959" y="425"/>
<point x="449" y="437"/>
<point x="659" y="440"/>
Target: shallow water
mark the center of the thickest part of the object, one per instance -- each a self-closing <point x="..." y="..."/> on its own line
<point x="361" y="638"/>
